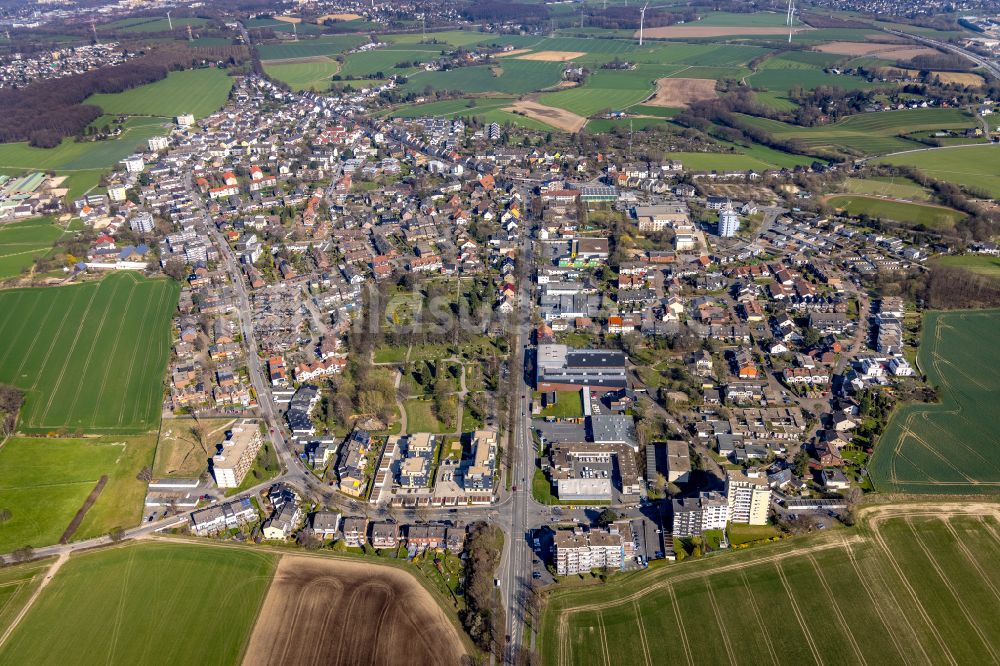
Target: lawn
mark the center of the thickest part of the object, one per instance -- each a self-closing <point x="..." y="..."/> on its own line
<point x="369" y="63"/>
<point x="756" y="158"/>
<point x="145" y="603"/>
<point x="918" y="589"/>
<point x="977" y="263"/>
<point x="976" y="167"/>
<point x="740" y="534"/>
<point x="311" y="74"/>
<point x="868" y="133"/>
<point x="23" y="242"/>
<point x="420" y="417"/>
<point x="44" y="482"/>
<point x="91" y="357"/>
<point x="155" y="24"/>
<point x="932" y="217"/>
<point x="197" y="91"/>
<point x="569" y="405"/>
<point x="951" y="447"/>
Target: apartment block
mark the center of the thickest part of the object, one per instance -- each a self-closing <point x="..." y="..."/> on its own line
<point x="749" y="496"/>
<point x="694" y="515"/>
<point x="579" y="552"/>
<point x="238" y="454"/>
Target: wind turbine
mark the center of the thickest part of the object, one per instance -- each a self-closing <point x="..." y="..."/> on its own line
<point x="169" y="22"/>
<point x="790" y="19"/>
<point x="642" y="17"/>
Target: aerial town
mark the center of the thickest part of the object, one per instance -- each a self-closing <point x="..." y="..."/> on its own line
<point x="458" y="313"/>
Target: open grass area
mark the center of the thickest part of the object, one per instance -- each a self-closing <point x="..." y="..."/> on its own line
<point x="131" y="604"/>
<point x="897" y="188"/>
<point x="951" y="447"/>
<point x="197" y="91"/>
<point x="369" y="63"/>
<point x="977" y="263"/>
<point x="740" y="534"/>
<point x="511" y="76"/>
<point x="309" y="48"/>
<point x="311" y="74"/>
<point x="23" y="242"/>
<point x="976" y="167"/>
<point x="153" y="24"/>
<point x="487" y="109"/>
<point x="420" y="417"/>
<point x="932" y="217"/>
<point x="44" y="483"/>
<point x="569" y="405"/>
<point x="91" y="357"/>
<point x="916" y="586"/>
<point x="756" y="158"/>
<point x="866" y="133"/>
<point x="452" y="37"/>
<point x="71" y="156"/>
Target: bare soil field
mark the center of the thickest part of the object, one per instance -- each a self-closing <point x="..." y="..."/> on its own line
<point x="695" y="31"/>
<point x="288" y="19"/>
<point x="338" y="17"/>
<point x="961" y="78"/>
<point x="560" y="118"/>
<point x="509" y="54"/>
<point x="324" y="611"/>
<point x="552" y="56"/>
<point x="681" y="92"/>
<point x="900" y="51"/>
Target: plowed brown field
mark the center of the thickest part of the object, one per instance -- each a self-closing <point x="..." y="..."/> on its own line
<point x="325" y="611"/>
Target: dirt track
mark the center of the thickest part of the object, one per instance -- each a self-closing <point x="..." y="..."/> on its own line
<point x="681" y="92"/>
<point x="552" y="56"/>
<point x="320" y="611"/>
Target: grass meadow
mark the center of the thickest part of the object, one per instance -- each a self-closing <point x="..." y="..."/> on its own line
<point x="23" y="242"/>
<point x="145" y="603"/>
<point x="896" y="188"/>
<point x="309" y="48"/>
<point x="913" y="588"/>
<point x="932" y="217"/>
<point x="197" y="91"/>
<point x="977" y="167"/>
<point x="977" y="263"/>
<point x="17" y="584"/>
<point x="70" y="156"/>
<point x="950" y="447"/>
<point x="510" y="76"/>
<point x="90" y="357"/>
<point x="313" y="73"/>
<point x="45" y="481"/>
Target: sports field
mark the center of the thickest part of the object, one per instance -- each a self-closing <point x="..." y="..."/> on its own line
<point x="867" y="133"/>
<point x="23" y="242"/>
<point x="913" y="584"/>
<point x="145" y="603"/>
<point x="90" y="357"/>
<point x="954" y="446"/>
<point x="974" y="166"/>
<point x="312" y="73"/>
<point x="45" y="482"/>
<point x="932" y="217"/>
<point x="197" y="91"/>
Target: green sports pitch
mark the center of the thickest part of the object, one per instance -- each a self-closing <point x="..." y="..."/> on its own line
<point x="90" y="358"/>
<point x="915" y="584"/>
<point x="953" y="446"/>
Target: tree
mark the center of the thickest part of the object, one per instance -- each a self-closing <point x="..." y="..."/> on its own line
<point x="116" y="534"/>
<point x="606" y="517"/>
<point x="5" y="515"/>
<point x="23" y="554"/>
<point x="175" y="269"/>
<point x="801" y="465"/>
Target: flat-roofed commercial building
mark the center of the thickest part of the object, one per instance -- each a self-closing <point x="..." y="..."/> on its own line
<point x="231" y="465"/>
<point x="560" y="368"/>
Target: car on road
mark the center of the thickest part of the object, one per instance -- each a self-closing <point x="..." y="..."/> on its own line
<point x="536" y="575"/>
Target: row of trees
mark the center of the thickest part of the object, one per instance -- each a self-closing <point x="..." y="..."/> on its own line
<point x="483" y="617"/>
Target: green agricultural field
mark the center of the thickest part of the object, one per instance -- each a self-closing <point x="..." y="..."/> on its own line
<point x="932" y="217"/>
<point x="802" y="60"/>
<point x="897" y="188"/>
<point x="89" y="357"/>
<point x="755" y="158"/>
<point x="145" y="603"/>
<point x="23" y="242"/>
<point x="310" y="74"/>
<point x="784" y="79"/>
<point x="918" y="586"/>
<point x="369" y="63"/>
<point x="17" y="584"/>
<point x="44" y="482"/>
<point x="70" y="156"/>
<point x="976" y="167"/>
<point x="954" y="446"/>
<point x="977" y="263"/>
<point x="740" y="20"/>
<point x="447" y="37"/>
<point x="866" y="133"/>
<point x="516" y="77"/>
<point x="197" y="91"/>
<point x="609" y="89"/>
<point x="310" y="48"/>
